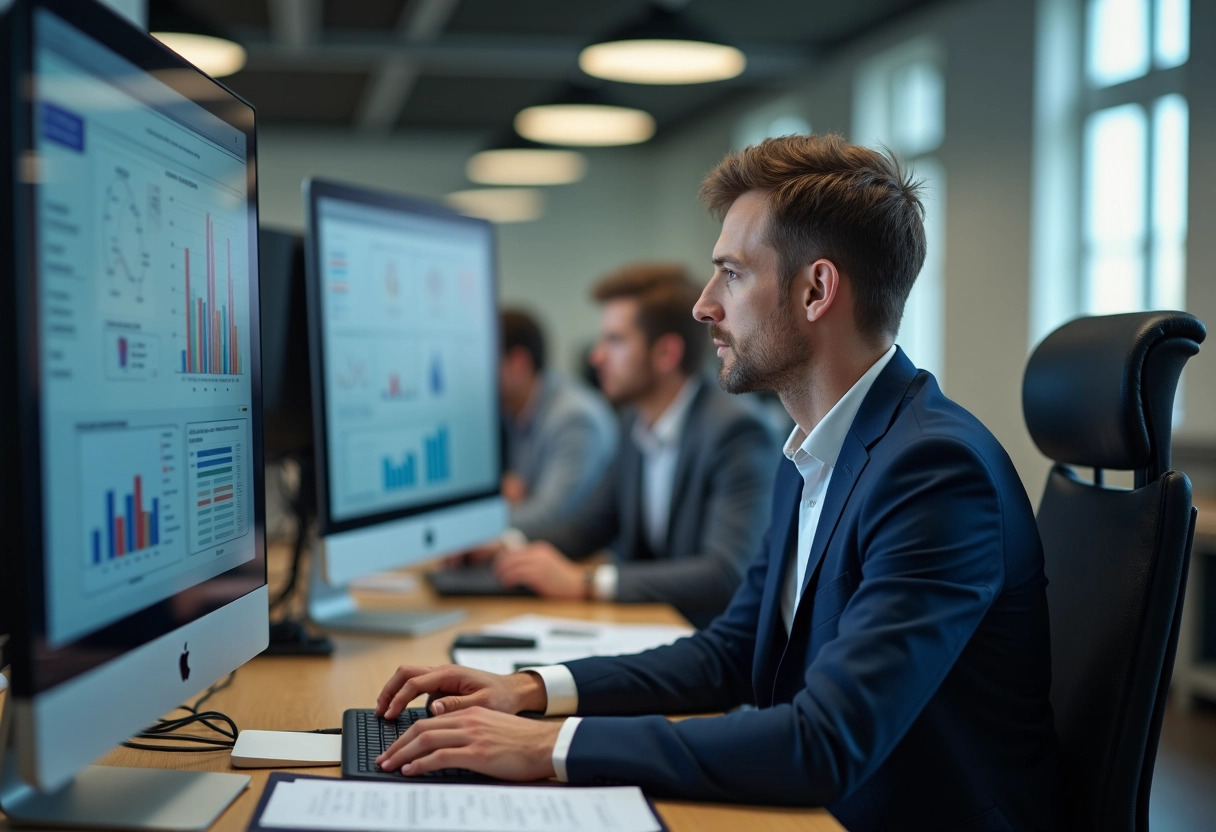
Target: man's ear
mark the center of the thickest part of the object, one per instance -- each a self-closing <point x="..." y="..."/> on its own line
<point x="518" y="360"/>
<point x="816" y="287"/>
<point x="667" y="352"/>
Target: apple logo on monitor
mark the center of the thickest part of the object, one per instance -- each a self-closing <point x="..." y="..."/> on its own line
<point x="183" y="664"/>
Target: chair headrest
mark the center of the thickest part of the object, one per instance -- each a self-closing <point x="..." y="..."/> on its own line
<point x="1099" y="391"/>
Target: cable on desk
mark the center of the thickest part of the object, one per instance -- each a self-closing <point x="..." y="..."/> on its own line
<point x="165" y="729"/>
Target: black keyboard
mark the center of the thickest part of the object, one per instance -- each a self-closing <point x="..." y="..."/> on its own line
<point x="365" y="736"/>
<point x="477" y="580"/>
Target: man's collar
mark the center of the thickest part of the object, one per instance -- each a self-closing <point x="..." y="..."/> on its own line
<point x="827" y="438"/>
<point x="667" y="428"/>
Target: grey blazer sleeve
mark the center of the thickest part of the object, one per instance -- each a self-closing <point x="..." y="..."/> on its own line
<point x="704" y="573"/>
<point x="595" y="525"/>
<point x="575" y="461"/>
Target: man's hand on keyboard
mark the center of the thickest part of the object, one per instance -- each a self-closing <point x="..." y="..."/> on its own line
<point x="455" y="688"/>
<point x="543" y="569"/>
<point x="500" y="745"/>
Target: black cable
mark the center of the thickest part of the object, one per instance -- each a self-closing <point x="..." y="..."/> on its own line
<point x="167" y="728"/>
<point x="300" y="507"/>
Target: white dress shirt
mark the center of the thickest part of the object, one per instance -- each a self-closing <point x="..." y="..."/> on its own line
<point x="660" y="447"/>
<point x="815" y="455"/>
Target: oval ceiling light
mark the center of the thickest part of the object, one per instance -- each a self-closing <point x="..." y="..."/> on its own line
<point x="499" y="205"/>
<point x="662" y="61"/>
<point x="215" y="56"/>
<point x="526" y="166"/>
<point x="662" y="46"/>
<point x="584" y="125"/>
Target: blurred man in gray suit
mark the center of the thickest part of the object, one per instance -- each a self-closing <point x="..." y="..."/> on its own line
<point x="687" y="496"/>
<point x="560" y="435"/>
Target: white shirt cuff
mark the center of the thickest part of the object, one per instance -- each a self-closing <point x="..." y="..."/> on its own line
<point x="512" y="538"/>
<point x="604" y="582"/>
<point x="559" y="688"/>
<point x="561" y="748"/>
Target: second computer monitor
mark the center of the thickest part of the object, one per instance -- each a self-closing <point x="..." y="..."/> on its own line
<point x="403" y="318"/>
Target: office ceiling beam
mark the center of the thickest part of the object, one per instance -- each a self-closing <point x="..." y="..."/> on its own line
<point x="295" y="24"/>
<point x="480" y="56"/>
<point x="421" y="22"/>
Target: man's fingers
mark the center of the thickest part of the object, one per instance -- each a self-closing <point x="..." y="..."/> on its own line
<point x="451" y="704"/>
<point x="412" y="689"/>
<point x="420" y="745"/>
<point x="454" y="757"/>
<point x="399" y="678"/>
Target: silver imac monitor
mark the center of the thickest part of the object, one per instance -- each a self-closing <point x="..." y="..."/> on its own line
<point x="131" y="493"/>
<point x="404" y="341"/>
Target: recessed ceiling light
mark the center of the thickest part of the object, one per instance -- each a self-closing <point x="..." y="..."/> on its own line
<point x="215" y="56"/>
<point x="662" y="61"/>
<point x="526" y="166"/>
<point x="500" y="205"/>
<point x="584" y="125"/>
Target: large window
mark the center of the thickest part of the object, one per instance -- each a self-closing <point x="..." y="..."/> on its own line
<point x="899" y="103"/>
<point x="1111" y="159"/>
<point x="1134" y="156"/>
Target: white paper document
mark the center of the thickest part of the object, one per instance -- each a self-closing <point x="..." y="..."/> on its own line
<point x="331" y="804"/>
<point x="565" y="639"/>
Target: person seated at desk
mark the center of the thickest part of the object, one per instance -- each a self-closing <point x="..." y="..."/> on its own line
<point x="685" y="500"/>
<point x="891" y="632"/>
<point x="560" y="436"/>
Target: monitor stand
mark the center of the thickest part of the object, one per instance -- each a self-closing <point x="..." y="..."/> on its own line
<point x="334" y="608"/>
<point x="109" y="797"/>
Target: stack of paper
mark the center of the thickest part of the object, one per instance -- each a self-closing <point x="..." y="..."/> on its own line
<point x="565" y="639"/>
<point x="330" y="804"/>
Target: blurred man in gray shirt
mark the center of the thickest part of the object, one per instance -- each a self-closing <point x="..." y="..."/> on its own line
<point x="560" y="435"/>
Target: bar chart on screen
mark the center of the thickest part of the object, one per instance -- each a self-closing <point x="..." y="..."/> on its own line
<point x="213" y="291"/>
<point x="216" y="462"/>
<point x="382" y="462"/>
<point x="130" y="503"/>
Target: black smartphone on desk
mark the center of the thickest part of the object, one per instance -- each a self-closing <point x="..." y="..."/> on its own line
<point x="489" y="641"/>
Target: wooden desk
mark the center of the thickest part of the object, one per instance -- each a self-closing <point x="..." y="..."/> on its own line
<point x="1193" y="677"/>
<point x="299" y="694"/>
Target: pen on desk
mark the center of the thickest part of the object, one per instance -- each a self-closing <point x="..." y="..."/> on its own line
<point x="558" y="631"/>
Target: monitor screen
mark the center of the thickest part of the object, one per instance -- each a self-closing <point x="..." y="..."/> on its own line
<point x="408" y="356"/>
<point x="132" y="343"/>
<point x="144" y="255"/>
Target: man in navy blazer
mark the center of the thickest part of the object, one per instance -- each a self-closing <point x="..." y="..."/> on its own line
<point x="891" y="633"/>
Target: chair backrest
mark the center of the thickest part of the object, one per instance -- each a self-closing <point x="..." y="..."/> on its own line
<point x="1099" y="393"/>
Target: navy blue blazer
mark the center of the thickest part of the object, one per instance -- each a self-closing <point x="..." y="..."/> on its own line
<point x="912" y="693"/>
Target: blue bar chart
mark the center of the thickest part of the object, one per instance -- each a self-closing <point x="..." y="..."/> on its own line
<point x="385" y="464"/>
<point x="438" y="464"/>
<point x="403" y="475"/>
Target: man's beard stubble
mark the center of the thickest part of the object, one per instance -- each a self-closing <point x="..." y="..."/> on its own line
<point x="769" y="362"/>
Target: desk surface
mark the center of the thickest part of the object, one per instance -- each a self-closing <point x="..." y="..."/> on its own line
<point x="300" y="694"/>
<point x="1205" y="522"/>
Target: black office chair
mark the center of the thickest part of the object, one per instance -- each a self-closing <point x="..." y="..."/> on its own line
<point x="1099" y="393"/>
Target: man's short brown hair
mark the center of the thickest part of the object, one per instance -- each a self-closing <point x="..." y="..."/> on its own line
<point x="521" y="329"/>
<point x="666" y="294"/>
<point x="843" y="202"/>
